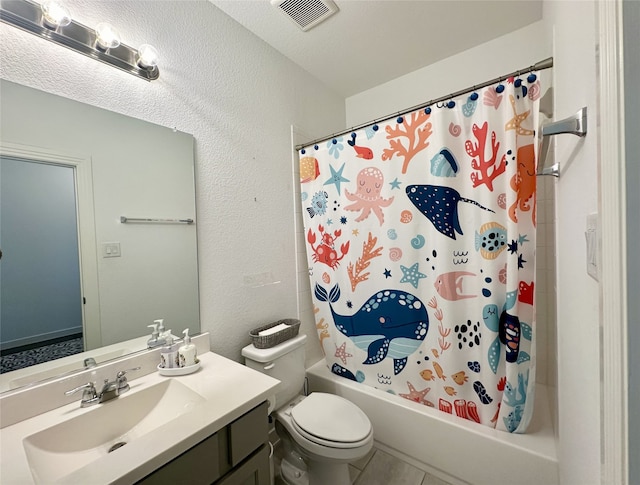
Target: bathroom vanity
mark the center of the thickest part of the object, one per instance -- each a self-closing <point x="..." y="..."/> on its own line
<point x="207" y="427"/>
<point x="236" y="454"/>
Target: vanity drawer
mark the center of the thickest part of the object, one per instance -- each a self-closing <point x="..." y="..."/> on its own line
<point x="247" y="433"/>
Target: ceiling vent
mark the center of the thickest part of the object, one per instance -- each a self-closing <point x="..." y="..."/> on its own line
<point x="306" y="14"/>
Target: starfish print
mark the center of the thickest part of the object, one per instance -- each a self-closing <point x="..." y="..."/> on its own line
<point x="522" y="239"/>
<point x="411" y="275"/>
<point x="395" y="184"/>
<point x="516" y="122"/>
<point x="336" y="177"/>
<point x="417" y="396"/>
<point x="387" y="273"/>
<point x="342" y="353"/>
<point x="521" y="261"/>
<point x="355" y="232"/>
<point x="513" y="246"/>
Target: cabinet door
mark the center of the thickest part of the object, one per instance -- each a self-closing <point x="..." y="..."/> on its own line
<point x="247" y="433"/>
<point x="197" y="466"/>
<point x="254" y="471"/>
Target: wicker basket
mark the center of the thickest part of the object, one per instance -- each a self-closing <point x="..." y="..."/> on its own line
<point x="266" y="341"/>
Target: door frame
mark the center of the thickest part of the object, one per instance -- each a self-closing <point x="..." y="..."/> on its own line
<point x="612" y="261"/>
<point x="88" y="261"/>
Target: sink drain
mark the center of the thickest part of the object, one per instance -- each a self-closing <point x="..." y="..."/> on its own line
<point x="116" y="446"/>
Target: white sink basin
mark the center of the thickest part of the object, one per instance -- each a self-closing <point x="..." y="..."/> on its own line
<point x="70" y="445"/>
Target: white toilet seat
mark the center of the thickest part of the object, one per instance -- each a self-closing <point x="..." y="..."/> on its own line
<point x="330" y="420"/>
<point x="321" y="447"/>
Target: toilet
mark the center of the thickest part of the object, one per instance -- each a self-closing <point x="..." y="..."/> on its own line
<point x="321" y="433"/>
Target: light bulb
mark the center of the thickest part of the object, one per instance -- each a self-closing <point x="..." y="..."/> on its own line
<point x="147" y="56"/>
<point x="54" y="15"/>
<point x="107" y="37"/>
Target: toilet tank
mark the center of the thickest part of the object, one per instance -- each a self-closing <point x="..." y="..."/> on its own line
<point x="284" y="362"/>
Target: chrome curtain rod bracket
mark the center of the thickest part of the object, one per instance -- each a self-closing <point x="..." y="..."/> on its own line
<point x="124" y="220"/>
<point x="553" y="170"/>
<point x="574" y="125"/>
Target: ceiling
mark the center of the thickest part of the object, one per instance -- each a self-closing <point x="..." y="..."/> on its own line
<point x="370" y="42"/>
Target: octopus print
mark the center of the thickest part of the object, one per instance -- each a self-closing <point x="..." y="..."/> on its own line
<point x="367" y="196"/>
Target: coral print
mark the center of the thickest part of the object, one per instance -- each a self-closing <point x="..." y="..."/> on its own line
<point x="427" y="292"/>
<point x="409" y="137"/>
<point x="485" y="169"/>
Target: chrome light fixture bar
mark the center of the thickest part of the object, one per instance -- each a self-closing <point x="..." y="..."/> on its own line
<point x="29" y="16"/>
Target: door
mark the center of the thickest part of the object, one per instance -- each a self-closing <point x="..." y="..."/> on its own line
<point x="40" y="297"/>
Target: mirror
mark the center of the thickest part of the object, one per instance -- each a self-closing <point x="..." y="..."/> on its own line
<point x="128" y="272"/>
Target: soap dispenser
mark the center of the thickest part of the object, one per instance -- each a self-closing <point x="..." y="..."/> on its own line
<point x="154" y="341"/>
<point x="169" y="352"/>
<point x="187" y="353"/>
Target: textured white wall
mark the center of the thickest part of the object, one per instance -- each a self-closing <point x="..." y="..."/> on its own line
<point x="239" y="98"/>
<point x="521" y="48"/>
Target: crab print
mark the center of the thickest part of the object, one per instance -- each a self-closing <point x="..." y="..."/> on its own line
<point x="325" y="251"/>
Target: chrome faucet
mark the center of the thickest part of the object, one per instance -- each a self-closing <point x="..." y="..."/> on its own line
<point x="110" y="390"/>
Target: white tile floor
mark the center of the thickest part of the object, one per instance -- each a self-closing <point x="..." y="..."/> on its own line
<point x="380" y="468"/>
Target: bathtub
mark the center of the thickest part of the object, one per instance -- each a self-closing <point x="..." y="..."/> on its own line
<point x="452" y="448"/>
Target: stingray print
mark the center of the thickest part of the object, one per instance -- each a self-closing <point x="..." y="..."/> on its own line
<point x="440" y="206"/>
<point x="390" y="324"/>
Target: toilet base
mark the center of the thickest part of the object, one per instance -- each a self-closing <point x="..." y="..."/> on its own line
<point x="316" y="473"/>
<point x="293" y="473"/>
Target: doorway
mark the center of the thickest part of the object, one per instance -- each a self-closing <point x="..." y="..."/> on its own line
<point x="41" y="314"/>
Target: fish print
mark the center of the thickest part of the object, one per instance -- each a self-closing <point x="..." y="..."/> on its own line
<point x="318" y="204"/>
<point x="363" y="152"/>
<point x="491" y="240"/>
<point x="309" y="169"/>
<point x="460" y="377"/>
<point x="449" y="285"/>
<point x="427" y="375"/>
<point x="450" y="390"/>
<point x="440" y="205"/>
<point x="439" y="372"/>
<point x="390" y="324"/>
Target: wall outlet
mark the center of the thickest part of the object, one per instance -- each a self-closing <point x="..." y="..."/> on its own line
<point x="111" y="250"/>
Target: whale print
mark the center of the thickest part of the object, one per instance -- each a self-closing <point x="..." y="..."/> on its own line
<point x="391" y="324"/>
<point x="440" y="206"/>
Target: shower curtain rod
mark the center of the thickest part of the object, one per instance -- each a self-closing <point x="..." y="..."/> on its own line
<point x="538" y="66"/>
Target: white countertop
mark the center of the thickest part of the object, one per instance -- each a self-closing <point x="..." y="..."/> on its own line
<point x="229" y="388"/>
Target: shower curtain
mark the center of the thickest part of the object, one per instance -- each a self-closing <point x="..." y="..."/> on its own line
<point x="420" y="235"/>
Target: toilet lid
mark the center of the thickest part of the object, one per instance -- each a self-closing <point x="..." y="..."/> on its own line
<point x="332" y="418"/>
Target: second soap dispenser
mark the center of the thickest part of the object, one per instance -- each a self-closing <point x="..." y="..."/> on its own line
<point x="187" y="352"/>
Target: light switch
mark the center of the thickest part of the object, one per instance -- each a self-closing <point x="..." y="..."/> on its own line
<point x="111" y="250"/>
<point x="592" y="237"/>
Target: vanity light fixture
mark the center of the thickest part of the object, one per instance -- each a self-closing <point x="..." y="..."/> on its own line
<point x="54" y="15"/>
<point x="107" y="37"/>
<point x="52" y="21"/>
